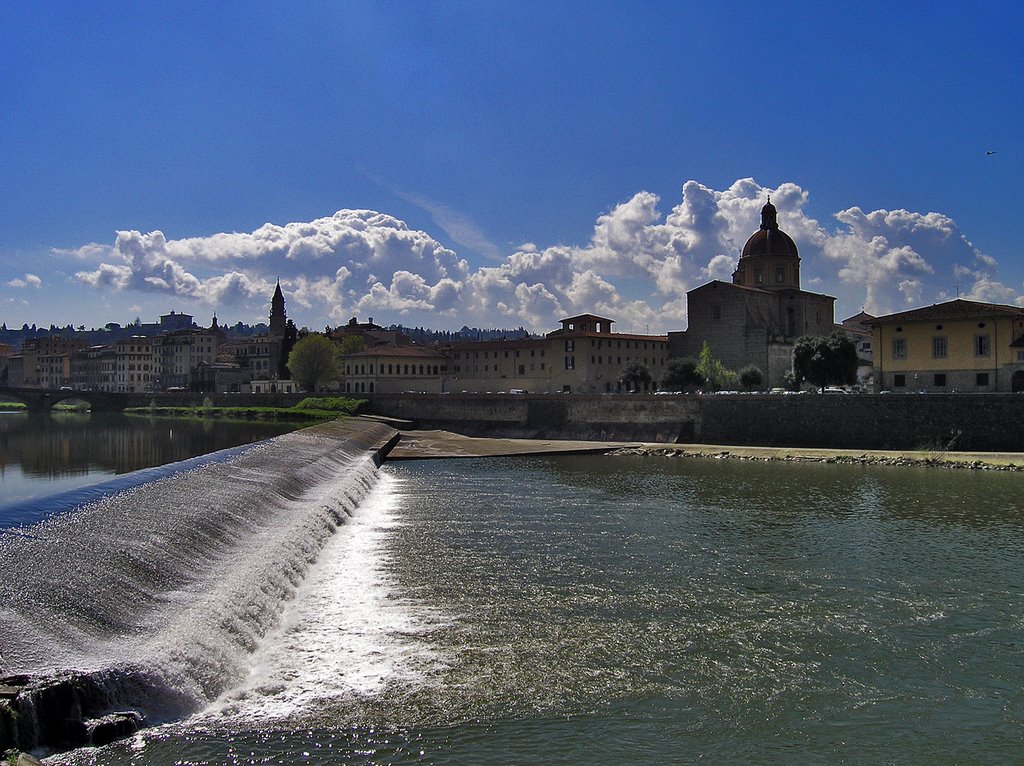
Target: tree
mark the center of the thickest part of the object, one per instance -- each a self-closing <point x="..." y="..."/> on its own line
<point x="350" y="344"/>
<point x="681" y="374"/>
<point x="291" y="335"/>
<point x="634" y="375"/>
<point x="824" y="361"/>
<point x="312" y="362"/>
<point x="751" y="377"/>
<point x="716" y="375"/>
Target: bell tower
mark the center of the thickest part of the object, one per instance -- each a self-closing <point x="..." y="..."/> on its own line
<point x="278" y="319"/>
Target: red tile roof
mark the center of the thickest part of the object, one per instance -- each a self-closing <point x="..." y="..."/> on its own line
<point x="418" y="352"/>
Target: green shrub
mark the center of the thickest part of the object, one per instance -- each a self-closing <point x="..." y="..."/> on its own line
<point x="331" y="403"/>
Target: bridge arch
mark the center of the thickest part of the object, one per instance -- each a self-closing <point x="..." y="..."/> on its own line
<point x="43" y="399"/>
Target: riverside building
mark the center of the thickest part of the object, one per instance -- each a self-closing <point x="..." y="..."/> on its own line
<point x="756" y="319"/>
<point x="583" y="356"/>
<point x="959" y="345"/>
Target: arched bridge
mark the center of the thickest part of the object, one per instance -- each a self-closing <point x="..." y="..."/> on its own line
<point x="42" y="399"/>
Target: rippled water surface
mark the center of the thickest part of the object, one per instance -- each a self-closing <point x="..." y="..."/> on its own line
<point x="581" y="610"/>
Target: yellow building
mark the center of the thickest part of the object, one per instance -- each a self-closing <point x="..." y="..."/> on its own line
<point x="959" y="345"/>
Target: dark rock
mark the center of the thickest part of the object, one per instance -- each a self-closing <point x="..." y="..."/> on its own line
<point x="8" y="726"/>
<point x="112" y="727"/>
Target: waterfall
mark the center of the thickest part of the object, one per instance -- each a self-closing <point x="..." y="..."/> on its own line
<point x="154" y="598"/>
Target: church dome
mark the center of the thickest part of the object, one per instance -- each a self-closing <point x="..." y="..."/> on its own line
<point x="770" y="239"/>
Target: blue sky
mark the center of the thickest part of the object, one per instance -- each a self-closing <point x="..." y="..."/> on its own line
<point x="500" y="164"/>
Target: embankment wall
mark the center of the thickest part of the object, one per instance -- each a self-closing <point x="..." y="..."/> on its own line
<point x="984" y="422"/>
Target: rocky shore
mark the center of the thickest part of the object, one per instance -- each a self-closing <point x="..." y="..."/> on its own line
<point x="957" y="460"/>
<point x="427" y="444"/>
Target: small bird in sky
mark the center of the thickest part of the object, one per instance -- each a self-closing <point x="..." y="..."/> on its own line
<point x="988" y="153"/>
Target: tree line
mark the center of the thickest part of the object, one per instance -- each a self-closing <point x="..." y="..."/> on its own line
<point x="819" y="361"/>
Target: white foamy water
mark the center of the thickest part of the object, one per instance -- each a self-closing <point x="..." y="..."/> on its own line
<point x="350" y="632"/>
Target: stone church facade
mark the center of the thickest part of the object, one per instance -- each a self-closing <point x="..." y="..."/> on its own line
<point x="757" y="317"/>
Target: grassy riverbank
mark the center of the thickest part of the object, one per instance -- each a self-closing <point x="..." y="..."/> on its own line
<point x="312" y="408"/>
<point x="62" y="407"/>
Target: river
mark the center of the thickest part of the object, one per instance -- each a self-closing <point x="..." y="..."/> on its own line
<point x="45" y="454"/>
<point x="614" y="610"/>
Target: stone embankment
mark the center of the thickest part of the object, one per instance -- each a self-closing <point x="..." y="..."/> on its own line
<point x="977" y="422"/>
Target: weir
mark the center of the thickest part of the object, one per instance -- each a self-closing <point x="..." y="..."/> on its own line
<point x="144" y="606"/>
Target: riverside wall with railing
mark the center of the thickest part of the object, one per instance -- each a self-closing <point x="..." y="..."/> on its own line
<point x="980" y="422"/>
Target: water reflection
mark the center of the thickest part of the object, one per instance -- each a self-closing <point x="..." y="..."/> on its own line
<point x="59" y="449"/>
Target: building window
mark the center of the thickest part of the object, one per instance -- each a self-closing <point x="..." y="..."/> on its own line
<point x="569" y="346"/>
<point x="758" y="277"/>
<point x="899" y="381"/>
<point x="982" y="347"/>
<point x="780" y="275"/>
<point x="570" y="363"/>
<point x="522" y="369"/>
<point x="939" y="347"/>
<point x="899" y="348"/>
<point x="940" y="379"/>
<point x="981" y="380"/>
<point x="716" y="312"/>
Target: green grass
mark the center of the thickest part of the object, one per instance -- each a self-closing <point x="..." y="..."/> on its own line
<point x="242" y="413"/>
<point x="332" y="404"/>
<point x="65" y="407"/>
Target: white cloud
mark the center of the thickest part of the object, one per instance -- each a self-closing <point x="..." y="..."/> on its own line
<point x="29" y="280"/>
<point x="636" y="266"/>
<point x="900" y="259"/>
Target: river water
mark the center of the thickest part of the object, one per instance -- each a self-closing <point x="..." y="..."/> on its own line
<point x="45" y="454"/>
<point x="581" y="610"/>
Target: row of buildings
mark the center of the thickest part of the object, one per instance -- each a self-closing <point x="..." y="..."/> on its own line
<point x="753" y="320"/>
<point x="584" y="356"/>
<point x="181" y="357"/>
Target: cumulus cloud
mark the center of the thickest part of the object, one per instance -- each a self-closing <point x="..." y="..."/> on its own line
<point x="900" y="258"/>
<point x="29" y="280"/>
<point x="635" y="266"/>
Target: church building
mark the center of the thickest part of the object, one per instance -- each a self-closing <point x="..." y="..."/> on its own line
<point x="755" y="319"/>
